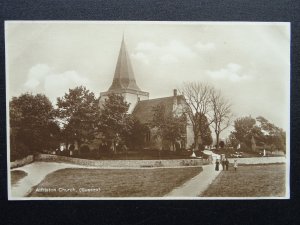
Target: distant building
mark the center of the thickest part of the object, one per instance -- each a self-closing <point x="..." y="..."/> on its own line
<point x="141" y="106"/>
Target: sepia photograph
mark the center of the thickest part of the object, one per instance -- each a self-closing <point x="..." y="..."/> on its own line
<point x="147" y="110"/>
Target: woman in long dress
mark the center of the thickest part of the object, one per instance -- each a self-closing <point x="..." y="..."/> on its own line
<point x="217" y="165"/>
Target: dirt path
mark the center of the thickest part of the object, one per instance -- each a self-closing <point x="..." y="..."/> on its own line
<point x="198" y="184"/>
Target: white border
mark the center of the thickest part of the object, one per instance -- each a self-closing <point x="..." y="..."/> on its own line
<point x="107" y="22"/>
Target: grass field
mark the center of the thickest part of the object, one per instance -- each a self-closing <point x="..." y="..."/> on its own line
<point x="249" y="181"/>
<point x="16" y="176"/>
<point x="113" y="182"/>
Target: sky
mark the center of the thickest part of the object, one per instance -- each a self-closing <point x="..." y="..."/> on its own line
<point x="248" y="62"/>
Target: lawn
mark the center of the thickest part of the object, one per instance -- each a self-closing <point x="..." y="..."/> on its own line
<point x="249" y="181"/>
<point x="113" y="182"/>
<point x="16" y="176"/>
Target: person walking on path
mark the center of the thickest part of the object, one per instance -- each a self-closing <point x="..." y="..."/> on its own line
<point x="223" y="163"/>
<point x="217" y="165"/>
<point x="235" y="164"/>
<point x="226" y="164"/>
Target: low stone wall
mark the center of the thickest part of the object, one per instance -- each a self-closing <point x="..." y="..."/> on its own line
<point x="123" y="163"/>
<point x="259" y="160"/>
<point x="22" y="162"/>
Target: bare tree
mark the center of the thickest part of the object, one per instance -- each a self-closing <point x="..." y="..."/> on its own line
<point x="198" y="98"/>
<point x="222" y="114"/>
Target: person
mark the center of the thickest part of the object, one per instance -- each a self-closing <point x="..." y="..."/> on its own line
<point x="223" y="163"/>
<point x="217" y="165"/>
<point x="226" y="164"/>
<point x="235" y="164"/>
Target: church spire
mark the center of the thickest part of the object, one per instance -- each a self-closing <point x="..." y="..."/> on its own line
<point x="124" y="76"/>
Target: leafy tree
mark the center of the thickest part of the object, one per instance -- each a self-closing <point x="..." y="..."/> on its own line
<point x="233" y="141"/>
<point x="245" y="129"/>
<point x="169" y="127"/>
<point x="274" y="136"/>
<point x="32" y="127"/>
<point x="78" y="111"/>
<point x="259" y="132"/>
<point x="221" y="144"/>
<point x="115" y="122"/>
<point x="135" y="137"/>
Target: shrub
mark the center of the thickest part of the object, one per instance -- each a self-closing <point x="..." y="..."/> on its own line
<point x="72" y="147"/>
<point x="84" y="150"/>
<point x="244" y="148"/>
<point x="19" y="151"/>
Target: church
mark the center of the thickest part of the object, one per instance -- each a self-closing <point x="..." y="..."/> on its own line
<point x="141" y="106"/>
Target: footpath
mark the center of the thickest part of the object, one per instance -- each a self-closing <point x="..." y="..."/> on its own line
<point x="197" y="185"/>
<point x="36" y="172"/>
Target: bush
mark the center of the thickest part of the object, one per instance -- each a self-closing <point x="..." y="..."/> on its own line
<point x="72" y="147"/>
<point x="19" y="151"/>
<point x="244" y="148"/>
<point x="84" y="149"/>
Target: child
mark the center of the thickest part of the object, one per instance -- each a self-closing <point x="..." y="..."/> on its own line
<point x="235" y="164"/>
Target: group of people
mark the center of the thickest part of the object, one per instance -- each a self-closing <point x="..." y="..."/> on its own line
<point x="225" y="164"/>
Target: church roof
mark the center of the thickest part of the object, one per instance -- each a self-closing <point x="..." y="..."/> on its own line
<point x="124" y="76"/>
<point x="144" y="109"/>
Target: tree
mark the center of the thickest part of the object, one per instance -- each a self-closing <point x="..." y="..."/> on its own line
<point x="135" y="138"/>
<point x="205" y="132"/>
<point x="115" y="122"/>
<point x="243" y="127"/>
<point x="233" y="142"/>
<point x="198" y="98"/>
<point x="274" y="136"/>
<point x="246" y="129"/>
<point x="222" y="115"/>
<point x="169" y="127"/>
<point x="31" y="124"/>
<point x="78" y="112"/>
<point x="221" y="144"/>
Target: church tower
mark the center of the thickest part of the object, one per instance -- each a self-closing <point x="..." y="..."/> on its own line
<point x="124" y="81"/>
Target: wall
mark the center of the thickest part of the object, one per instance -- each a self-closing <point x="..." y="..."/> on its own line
<point x="123" y="163"/>
<point x="22" y="162"/>
<point x="133" y="99"/>
<point x="259" y="160"/>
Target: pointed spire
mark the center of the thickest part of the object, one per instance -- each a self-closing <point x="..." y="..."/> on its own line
<point x="124" y="76"/>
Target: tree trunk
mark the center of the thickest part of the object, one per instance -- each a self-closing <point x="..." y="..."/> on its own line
<point x="217" y="140"/>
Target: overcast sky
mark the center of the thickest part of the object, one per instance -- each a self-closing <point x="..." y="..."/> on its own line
<point x="249" y="62"/>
